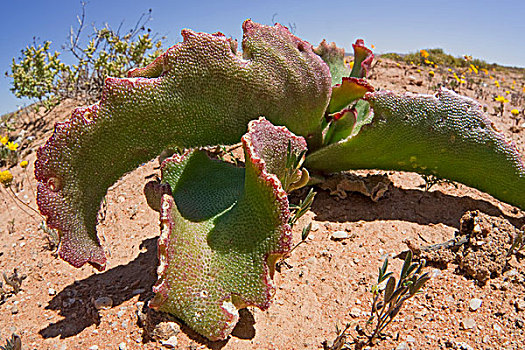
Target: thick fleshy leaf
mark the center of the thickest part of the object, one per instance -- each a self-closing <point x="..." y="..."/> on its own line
<point x="363" y="58"/>
<point x="222" y="231"/>
<point x="445" y="134"/>
<point x="334" y="57"/>
<point x="200" y="92"/>
<point x="350" y="90"/>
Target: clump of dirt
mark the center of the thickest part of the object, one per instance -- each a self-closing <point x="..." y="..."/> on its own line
<point x="485" y="254"/>
<point x="480" y="249"/>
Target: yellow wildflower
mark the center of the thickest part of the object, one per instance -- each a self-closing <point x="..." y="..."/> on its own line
<point x="419" y="71"/>
<point x="515" y="112"/>
<point x="4" y="140"/>
<point x="12" y="146"/>
<point x="474" y="69"/>
<point x="501" y="99"/>
<point x="507" y="92"/>
<point x="496" y="83"/>
<point x="424" y="53"/>
<point x="450" y="69"/>
<point x="431" y="73"/>
<point x="485" y="71"/>
<point x="427" y="62"/>
<point x="24" y="163"/>
<point x="6" y="177"/>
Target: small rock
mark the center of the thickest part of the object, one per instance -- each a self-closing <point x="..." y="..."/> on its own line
<point x="165" y="331"/>
<point x="94" y="347"/>
<point x="51" y="291"/>
<point x="474" y="304"/>
<point x="121" y="313"/>
<point x="14" y="309"/>
<point x="496" y="327"/>
<point x="339" y="235"/>
<point x="315" y="227"/>
<point x="467" y="323"/>
<point x="171" y="343"/>
<point x="402" y="346"/>
<point x="519" y="304"/>
<point x="122" y="346"/>
<point x="464" y="346"/>
<point x="410" y="339"/>
<point x="103" y="303"/>
<point x="355" y="312"/>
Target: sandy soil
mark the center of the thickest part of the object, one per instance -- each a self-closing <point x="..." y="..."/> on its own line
<point x="325" y="282"/>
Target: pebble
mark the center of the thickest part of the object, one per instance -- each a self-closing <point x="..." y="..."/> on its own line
<point x="496" y="327"/>
<point x="166" y="330"/>
<point x="103" y="303"/>
<point x="122" y="346"/>
<point x="339" y="235"/>
<point x="474" y="304"/>
<point x="315" y="227"/>
<point x="355" y="312"/>
<point x="51" y="291"/>
<point x="467" y="323"/>
<point x="402" y="346"/>
<point x="94" y="347"/>
<point x="171" y="343"/>
<point x="121" y="313"/>
<point x="464" y="346"/>
<point x="519" y="304"/>
<point x="410" y="339"/>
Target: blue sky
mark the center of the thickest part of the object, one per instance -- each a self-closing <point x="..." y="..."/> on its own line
<point x="491" y="30"/>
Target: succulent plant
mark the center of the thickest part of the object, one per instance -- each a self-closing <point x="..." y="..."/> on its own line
<point x="224" y="227"/>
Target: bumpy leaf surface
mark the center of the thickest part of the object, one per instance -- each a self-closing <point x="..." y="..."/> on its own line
<point x="445" y="134"/>
<point x="200" y="92"/>
<point x="334" y="57"/>
<point x="222" y="230"/>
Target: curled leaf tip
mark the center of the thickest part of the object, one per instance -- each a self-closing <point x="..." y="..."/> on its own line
<point x="363" y="58"/>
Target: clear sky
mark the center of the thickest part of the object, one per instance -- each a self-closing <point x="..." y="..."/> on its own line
<point x="491" y="30"/>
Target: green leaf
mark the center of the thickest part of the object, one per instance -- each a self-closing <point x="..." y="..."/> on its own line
<point x="406" y="265"/>
<point x="221" y="235"/>
<point x="350" y="90"/>
<point x="443" y="134"/>
<point x="200" y="92"/>
<point x="334" y="58"/>
<point x="389" y="289"/>
<point x="363" y="58"/>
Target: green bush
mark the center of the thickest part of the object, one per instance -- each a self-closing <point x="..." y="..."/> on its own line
<point x="40" y="75"/>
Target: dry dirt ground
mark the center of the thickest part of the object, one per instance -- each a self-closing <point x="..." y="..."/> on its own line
<point x="325" y="283"/>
